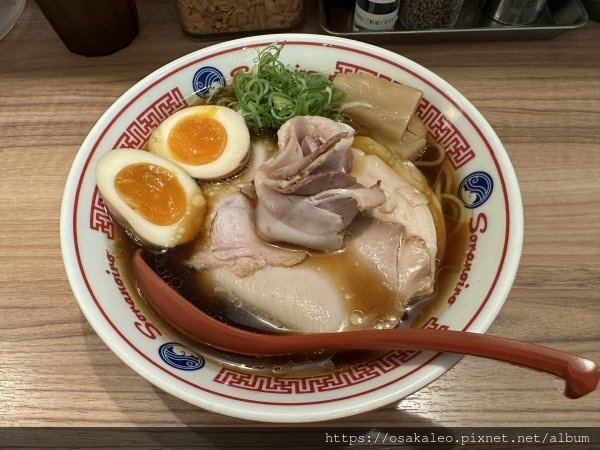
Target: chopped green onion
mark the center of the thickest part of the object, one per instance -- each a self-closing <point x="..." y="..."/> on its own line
<point x="272" y="93"/>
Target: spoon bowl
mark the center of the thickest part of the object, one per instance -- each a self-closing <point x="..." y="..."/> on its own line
<point x="581" y="375"/>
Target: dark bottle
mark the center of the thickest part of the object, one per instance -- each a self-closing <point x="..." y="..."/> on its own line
<point x="375" y="14"/>
<point x="92" y="27"/>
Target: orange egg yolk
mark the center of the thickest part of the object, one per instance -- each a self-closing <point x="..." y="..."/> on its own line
<point x="153" y="192"/>
<point x="197" y="139"/>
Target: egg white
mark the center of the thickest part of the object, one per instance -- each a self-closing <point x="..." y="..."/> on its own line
<point x="234" y="155"/>
<point x="148" y="233"/>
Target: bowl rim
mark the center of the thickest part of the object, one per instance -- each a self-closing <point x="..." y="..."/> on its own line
<point x="480" y="321"/>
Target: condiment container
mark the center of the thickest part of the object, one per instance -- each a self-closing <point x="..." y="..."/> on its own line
<point x="10" y="11"/>
<point x="514" y="12"/>
<point x="92" y="27"/>
<point x="206" y="18"/>
<point x="375" y="15"/>
<point x="593" y="9"/>
<point x="429" y="14"/>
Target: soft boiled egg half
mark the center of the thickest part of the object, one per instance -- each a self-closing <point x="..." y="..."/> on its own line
<point x="209" y="142"/>
<point x="152" y="198"/>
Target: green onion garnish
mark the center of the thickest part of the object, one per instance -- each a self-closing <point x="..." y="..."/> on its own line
<point x="272" y="93"/>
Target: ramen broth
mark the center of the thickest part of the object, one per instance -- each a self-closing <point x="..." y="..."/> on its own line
<point x="363" y="288"/>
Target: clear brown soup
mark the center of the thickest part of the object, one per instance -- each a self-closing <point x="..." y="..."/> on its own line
<point x="365" y="285"/>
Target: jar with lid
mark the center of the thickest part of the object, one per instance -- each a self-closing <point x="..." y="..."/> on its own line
<point x="207" y="18"/>
<point x="429" y="14"/>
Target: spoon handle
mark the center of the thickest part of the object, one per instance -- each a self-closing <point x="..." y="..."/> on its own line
<point x="580" y="375"/>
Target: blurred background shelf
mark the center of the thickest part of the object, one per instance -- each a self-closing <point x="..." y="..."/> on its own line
<point x="336" y="17"/>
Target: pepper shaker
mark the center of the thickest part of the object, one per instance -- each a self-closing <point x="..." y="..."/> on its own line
<point x="376" y="15"/>
<point x="429" y="14"/>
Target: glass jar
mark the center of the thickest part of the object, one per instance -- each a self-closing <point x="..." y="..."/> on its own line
<point x="429" y="14"/>
<point x="207" y="18"/>
<point x="379" y="15"/>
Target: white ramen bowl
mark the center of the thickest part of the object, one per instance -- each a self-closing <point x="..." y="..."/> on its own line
<point x="109" y="300"/>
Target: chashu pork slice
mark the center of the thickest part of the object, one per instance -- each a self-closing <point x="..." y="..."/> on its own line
<point x="299" y="298"/>
<point x="305" y="195"/>
<point x="232" y="241"/>
<point x="314" y="297"/>
<point x="402" y="260"/>
<point x="404" y="204"/>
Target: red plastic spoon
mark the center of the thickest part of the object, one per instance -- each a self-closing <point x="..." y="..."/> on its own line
<point x="581" y="375"/>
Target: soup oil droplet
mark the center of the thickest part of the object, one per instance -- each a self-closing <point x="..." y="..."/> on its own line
<point x="393" y="320"/>
<point x="176" y="283"/>
<point x="198" y="201"/>
<point x="357" y="317"/>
